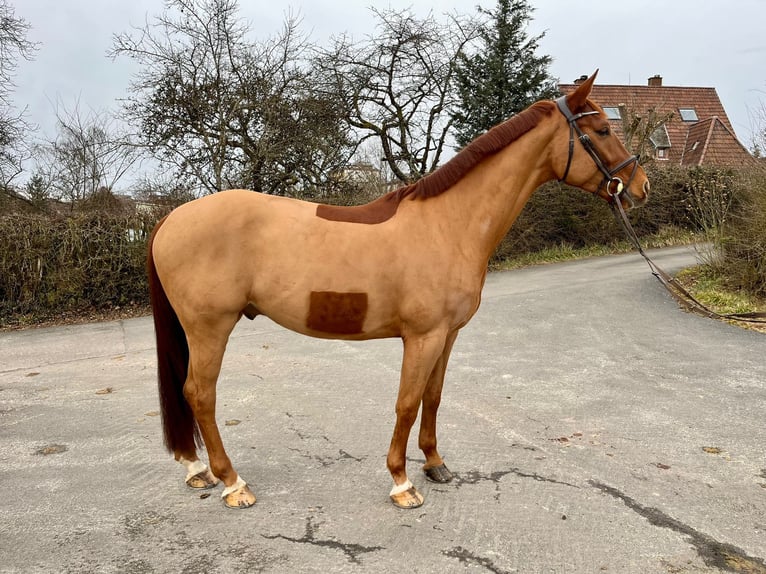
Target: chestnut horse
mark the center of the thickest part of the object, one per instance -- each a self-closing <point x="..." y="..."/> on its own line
<point x="411" y="264"/>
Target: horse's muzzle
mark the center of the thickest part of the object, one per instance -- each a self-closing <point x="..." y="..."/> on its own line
<point x="642" y="199"/>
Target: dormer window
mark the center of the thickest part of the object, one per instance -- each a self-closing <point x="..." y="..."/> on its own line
<point x="612" y="113"/>
<point x="660" y="139"/>
<point x="688" y="114"/>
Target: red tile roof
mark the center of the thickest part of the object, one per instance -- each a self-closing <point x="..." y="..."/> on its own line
<point x="710" y="142"/>
<point x="716" y="143"/>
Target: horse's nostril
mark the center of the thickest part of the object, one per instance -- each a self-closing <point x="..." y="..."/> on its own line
<point x="647" y="187"/>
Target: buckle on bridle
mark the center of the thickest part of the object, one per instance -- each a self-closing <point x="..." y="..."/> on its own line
<point x="621" y="188"/>
<point x="619" y="193"/>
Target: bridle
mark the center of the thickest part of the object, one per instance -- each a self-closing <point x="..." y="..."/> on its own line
<point x="614" y="186"/>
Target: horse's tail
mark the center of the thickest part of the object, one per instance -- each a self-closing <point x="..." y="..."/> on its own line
<point x="178" y="423"/>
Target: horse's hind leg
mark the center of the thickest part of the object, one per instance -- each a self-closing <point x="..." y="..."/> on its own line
<point x="198" y="475"/>
<point x="434" y="468"/>
<point x="207" y="342"/>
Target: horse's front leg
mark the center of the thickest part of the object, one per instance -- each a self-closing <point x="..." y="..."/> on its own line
<point x="205" y="358"/>
<point x="421" y="353"/>
<point x="434" y="468"/>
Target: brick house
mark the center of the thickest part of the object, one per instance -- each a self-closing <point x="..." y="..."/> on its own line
<point x="697" y="130"/>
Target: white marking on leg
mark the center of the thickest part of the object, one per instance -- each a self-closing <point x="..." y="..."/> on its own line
<point x="399" y="488"/>
<point x="239" y="483"/>
<point x="193" y="467"/>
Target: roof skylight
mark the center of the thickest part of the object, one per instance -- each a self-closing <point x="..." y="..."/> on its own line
<point x="688" y="114"/>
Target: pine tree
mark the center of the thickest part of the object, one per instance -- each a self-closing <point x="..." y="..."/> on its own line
<point x="504" y="75"/>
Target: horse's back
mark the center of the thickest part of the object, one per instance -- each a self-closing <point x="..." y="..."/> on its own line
<point x="222" y="220"/>
<point x="246" y="252"/>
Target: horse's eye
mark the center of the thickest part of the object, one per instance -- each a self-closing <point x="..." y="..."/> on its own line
<point x="603" y="131"/>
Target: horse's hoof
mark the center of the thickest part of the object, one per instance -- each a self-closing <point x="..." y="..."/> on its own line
<point x="440" y="474"/>
<point x="202" y="480"/>
<point x="238" y="495"/>
<point x="407" y="497"/>
<point x="240" y="498"/>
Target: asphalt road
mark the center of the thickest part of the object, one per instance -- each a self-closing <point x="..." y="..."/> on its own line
<point x="592" y="425"/>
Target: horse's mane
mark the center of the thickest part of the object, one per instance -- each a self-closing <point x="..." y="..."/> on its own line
<point x="446" y="176"/>
<point x="479" y="149"/>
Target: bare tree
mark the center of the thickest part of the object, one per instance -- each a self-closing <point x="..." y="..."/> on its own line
<point x="13" y="126"/>
<point x="91" y="153"/>
<point x="396" y="86"/>
<point x="644" y="130"/>
<point x="228" y="112"/>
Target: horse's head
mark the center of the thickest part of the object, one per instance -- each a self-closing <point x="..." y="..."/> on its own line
<point x="590" y="155"/>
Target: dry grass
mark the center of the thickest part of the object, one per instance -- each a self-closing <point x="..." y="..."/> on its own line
<point x="711" y="289"/>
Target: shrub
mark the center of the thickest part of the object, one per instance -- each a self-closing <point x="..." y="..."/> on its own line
<point x="743" y="263"/>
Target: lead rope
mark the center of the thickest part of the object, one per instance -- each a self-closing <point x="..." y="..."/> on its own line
<point x="679" y="293"/>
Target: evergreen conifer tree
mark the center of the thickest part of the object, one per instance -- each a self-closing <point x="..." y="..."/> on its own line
<point x="503" y="75"/>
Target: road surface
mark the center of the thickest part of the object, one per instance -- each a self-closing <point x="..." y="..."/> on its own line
<point x="593" y="427"/>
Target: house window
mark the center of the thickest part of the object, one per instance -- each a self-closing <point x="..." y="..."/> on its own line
<point x="688" y="114"/>
<point x="662" y="153"/>
<point x="612" y="113"/>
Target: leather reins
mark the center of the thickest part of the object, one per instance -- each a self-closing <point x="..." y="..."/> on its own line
<point x="676" y="290"/>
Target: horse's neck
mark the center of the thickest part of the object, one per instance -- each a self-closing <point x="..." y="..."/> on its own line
<point x="486" y="202"/>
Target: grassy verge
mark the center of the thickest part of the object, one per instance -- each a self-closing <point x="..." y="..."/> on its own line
<point x="710" y="289"/>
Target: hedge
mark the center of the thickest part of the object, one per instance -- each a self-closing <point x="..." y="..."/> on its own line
<point x="52" y="264"/>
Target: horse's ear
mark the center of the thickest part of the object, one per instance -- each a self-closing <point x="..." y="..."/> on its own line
<point x="576" y="100"/>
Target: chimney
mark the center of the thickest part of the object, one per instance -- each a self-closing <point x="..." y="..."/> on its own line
<point x="655" y="81"/>
<point x="580" y="80"/>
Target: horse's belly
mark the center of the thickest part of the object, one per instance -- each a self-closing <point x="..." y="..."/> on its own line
<point x="353" y="314"/>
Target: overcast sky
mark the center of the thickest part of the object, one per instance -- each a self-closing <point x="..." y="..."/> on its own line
<point x="711" y="43"/>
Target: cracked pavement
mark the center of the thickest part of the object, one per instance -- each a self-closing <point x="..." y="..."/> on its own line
<point x="591" y="424"/>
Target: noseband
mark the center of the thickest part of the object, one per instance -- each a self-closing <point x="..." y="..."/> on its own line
<point x="610" y="180"/>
